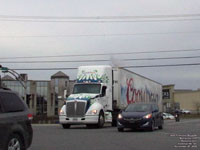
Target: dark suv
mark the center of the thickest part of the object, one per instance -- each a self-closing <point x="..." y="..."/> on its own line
<point x="140" y="115"/>
<point x="15" y="122"/>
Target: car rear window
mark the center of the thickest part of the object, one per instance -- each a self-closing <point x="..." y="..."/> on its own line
<point x="11" y="102"/>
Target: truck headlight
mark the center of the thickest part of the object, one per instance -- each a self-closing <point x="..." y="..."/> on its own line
<point x="62" y="112"/>
<point x="147" y="116"/>
<point x="94" y="111"/>
<point x="120" y="116"/>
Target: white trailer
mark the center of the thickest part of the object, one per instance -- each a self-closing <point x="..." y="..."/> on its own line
<point x="101" y="92"/>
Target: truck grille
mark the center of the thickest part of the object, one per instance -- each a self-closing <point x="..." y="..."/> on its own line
<point x="75" y="109"/>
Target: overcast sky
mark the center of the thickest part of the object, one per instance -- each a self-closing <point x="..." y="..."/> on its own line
<point x="21" y="37"/>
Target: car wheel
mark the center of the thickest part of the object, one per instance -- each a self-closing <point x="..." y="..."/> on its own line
<point x="66" y="126"/>
<point x="15" y="143"/>
<point x="152" y="126"/>
<point x="101" y="120"/>
<point x="161" y="126"/>
<point x="120" y="129"/>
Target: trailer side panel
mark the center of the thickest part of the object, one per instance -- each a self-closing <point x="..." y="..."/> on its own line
<point x="133" y="88"/>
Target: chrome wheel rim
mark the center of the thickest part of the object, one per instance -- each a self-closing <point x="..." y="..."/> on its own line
<point x="14" y="144"/>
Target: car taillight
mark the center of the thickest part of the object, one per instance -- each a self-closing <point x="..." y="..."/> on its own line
<point x="30" y="116"/>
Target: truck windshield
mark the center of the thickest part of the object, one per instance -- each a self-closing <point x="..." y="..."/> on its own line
<point x="138" y="108"/>
<point x="87" y="88"/>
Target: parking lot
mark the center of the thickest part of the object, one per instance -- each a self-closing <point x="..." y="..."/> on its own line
<point x="175" y="135"/>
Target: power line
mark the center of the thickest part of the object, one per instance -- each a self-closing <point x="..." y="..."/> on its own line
<point x="92" y="35"/>
<point x="98" y="21"/>
<point x="165" y="58"/>
<point x="142" y="66"/>
<point x="170" y="65"/>
<point x="103" y="54"/>
<point x="39" y="69"/>
<point x="100" y="17"/>
<point x="57" y="61"/>
<point x="102" y="60"/>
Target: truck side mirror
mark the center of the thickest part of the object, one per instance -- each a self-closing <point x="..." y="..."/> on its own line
<point x="65" y="94"/>
<point x="103" y="92"/>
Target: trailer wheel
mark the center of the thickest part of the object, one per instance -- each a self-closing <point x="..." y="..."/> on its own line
<point x="66" y="126"/>
<point x="101" y="120"/>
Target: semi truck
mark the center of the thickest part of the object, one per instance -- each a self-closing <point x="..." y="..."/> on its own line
<point x="101" y="92"/>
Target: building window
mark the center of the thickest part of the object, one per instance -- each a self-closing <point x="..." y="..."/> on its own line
<point x="56" y="111"/>
<point x="168" y="105"/>
<point x="56" y="85"/>
<point x="33" y="100"/>
<point x="15" y="86"/>
<point x="166" y="94"/>
<point x="42" y="94"/>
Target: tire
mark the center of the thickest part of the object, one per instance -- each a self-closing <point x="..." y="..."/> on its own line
<point x="15" y="143"/>
<point x="114" y="123"/>
<point x="66" y="126"/>
<point x="161" y="126"/>
<point x="101" y="120"/>
<point x="152" y="126"/>
<point x="120" y="129"/>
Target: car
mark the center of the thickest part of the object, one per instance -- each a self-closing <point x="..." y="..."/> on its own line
<point x="168" y="116"/>
<point x="15" y="122"/>
<point x="140" y="116"/>
<point x="184" y="111"/>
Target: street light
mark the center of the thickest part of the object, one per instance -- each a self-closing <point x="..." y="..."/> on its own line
<point x="17" y="76"/>
<point x="4" y="69"/>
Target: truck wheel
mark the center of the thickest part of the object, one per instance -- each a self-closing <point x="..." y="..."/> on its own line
<point x="66" y="126"/>
<point x="15" y="142"/>
<point x="114" y="123"/>
<point x="120" y="129"/>
<point x="101" y="120"/>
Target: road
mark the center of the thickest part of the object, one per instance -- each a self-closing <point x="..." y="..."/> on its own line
<point x="175" y="135"/>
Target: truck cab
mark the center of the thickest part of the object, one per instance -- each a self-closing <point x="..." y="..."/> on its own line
<point x="91" y="100"/>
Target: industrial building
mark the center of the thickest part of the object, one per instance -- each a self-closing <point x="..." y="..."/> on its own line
<point x="44" y="98"/>
<point x="180" y="99"/>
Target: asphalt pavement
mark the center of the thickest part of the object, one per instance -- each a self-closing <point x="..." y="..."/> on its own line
<point x="175" y="135"/>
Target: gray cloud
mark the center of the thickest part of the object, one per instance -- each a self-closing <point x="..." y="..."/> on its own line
<point x="183" y="77"/>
